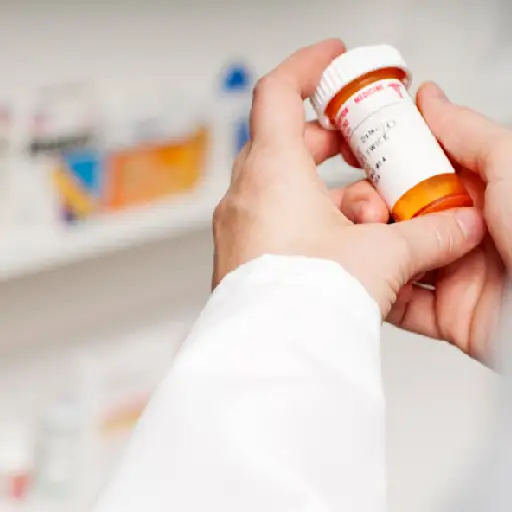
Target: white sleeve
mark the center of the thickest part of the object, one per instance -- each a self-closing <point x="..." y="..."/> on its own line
<point x="274" y="403"/>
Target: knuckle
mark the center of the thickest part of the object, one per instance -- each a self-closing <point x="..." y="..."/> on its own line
<point x="445" y="237"/>
<point x="231" y="209"/>
<point x="263" y="86"/>
<point x="238" y="206"/>
<point x="402" y="246"/>
<point x="448" y="234"/>
<point x="218" y="216"/>
<point x="404" y="252"/>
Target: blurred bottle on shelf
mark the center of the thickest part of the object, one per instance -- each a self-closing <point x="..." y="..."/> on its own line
<point x="237" y="87"/>
<point x="16" y="464"/>
<point x="232" y="128"/>
<point x="59" y="463"/>
<point x="117" y="381"/>
<point x="237" y="92"/>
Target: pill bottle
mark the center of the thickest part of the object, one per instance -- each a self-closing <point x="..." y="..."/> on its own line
<point x="364" y="94"/>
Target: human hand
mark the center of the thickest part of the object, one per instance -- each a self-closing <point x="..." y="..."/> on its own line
<point x="464" y="308"/>
<point x="277" y="203"/>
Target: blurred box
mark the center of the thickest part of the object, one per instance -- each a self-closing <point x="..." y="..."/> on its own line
<point x="139" y="175"/>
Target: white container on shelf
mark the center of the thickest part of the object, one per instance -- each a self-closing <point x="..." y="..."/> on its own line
<point x="16" y="463"/>
<point x="60" y="455"/>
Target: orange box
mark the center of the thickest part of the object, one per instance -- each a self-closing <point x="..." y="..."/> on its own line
<point x="140" y="175"/>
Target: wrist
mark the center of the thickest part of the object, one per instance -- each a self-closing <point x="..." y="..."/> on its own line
<point x="317" y="276"/>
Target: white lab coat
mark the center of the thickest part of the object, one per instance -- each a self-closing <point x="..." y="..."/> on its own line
<point x="274" y="403"/>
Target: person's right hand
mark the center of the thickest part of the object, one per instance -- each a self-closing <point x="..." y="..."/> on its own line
<point x="463" y="308"/>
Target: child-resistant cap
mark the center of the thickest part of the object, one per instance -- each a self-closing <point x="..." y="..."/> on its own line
<point x="349" y="67"/>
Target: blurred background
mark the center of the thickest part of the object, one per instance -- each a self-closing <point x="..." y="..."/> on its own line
<point x="119" y="121"/>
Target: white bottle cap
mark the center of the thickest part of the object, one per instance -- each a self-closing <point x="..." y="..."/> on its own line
<point x="349" y="67"/>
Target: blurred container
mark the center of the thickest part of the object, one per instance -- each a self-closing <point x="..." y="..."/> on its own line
<point x="63" y="118"/>
<point x="154" y="154"/>
<point x="78" y="178"/>
<point x="236" y="100"/>
<point x="117" y="379"/>
<point x="232" y="106"/>
<point x="16" y="463"/>
<point x="59" y="461"/>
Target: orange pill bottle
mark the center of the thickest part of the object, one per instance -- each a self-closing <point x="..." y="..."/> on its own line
<point x="364" y="94"/>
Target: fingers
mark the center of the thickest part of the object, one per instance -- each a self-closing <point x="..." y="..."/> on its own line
<point x="360" y="203"/>
<point x="277" y="114"/>
<point x="348" y="156"/>
<point x="435" y="240"/>
<point x="474" y="186"/>
<point x="322" y="144"/>
<point x="415" y="310"/>
<point x="469" y="138"/>
<point x="465" y="307"/>
<point x="426" y="280"/>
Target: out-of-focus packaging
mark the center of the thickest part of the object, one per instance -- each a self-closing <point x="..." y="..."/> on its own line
<point x="232" y="106"/>
<point x="84" y="427"/>
<point x="78" y="177"/>
<point x="62" y="118"/>
<point x="236" y="99"/>
<point x="151" y="155"/>
<point x="78" y="158"/>
<point x="149" y="149"/>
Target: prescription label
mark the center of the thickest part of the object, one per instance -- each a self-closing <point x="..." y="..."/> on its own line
<point x="390" y="139"/>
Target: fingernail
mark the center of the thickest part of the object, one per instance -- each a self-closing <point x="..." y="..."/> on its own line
<point x="471" y="223"/>
<point x="362" y="211"/>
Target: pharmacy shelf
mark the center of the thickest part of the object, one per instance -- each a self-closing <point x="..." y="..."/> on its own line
<point x="30" y="254"/>
<point x="172" y="218"/>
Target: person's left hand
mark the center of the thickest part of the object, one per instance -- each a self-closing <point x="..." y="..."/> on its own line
<point x="277" y="203"/>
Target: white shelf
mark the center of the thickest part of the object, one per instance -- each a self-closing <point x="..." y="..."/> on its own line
<point x="181" y="215"/>
<point x="30" y="254"/>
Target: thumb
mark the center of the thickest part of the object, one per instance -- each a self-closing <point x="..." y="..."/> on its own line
<point x="438" y="239"/>
<point x="470" y="139"/>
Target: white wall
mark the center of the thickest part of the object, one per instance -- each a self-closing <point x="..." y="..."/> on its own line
<point x="438" y="400"/>
<point x="125" y="43"/>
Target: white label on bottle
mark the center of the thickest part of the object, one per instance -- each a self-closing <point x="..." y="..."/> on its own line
<point x="390" y="139"/>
